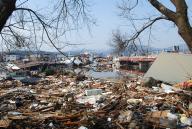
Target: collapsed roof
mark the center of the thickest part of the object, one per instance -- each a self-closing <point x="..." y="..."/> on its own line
<point x="171" y="68"/>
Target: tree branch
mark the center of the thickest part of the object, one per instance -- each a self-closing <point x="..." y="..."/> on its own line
<point x="44" y="25"/>
<point x="164" y="10"/>
<point x="147" y="25"/>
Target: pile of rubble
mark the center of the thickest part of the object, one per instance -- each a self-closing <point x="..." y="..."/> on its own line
<point x="69" y="102"/>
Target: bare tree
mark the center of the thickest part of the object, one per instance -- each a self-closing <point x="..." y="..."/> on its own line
<point x="122" y="46"/>
<point x="21" y="25"/>
<point x="118" y="42"/>
<point x="179" y="16"/>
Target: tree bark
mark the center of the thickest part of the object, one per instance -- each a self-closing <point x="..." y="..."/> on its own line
<point x="185" y="32"/>
<point x="6" y="9"/>
<point x="182" y="22"/>
<point x="180" y="18"/>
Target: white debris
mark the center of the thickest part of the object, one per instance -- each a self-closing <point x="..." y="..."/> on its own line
<point x="134" y="101"/>
<point x="93" y="92"/>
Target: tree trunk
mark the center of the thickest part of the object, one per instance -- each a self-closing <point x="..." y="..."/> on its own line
<point x="185" y="32"/>
<point x="6" y="9"/>
<point x="182" y="22"/>
<point x="180" y="18"/>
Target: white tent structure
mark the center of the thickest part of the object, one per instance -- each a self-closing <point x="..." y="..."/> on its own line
<point x="171" y="68"/>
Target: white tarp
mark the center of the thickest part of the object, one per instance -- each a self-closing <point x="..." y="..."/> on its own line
<point x="12" y="66"/>
<point x="171" y="67"/>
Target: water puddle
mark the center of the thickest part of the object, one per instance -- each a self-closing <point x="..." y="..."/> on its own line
<point x="115" y="74"/>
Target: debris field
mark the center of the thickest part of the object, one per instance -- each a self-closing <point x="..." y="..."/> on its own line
<point x="63" y="101"/>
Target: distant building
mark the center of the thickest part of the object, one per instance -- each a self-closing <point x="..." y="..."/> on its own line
<point x="29" y="56"/>
<point x="48" y="57"/>
<point x="35" y="57"/>
<point x="13" y="57"/>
